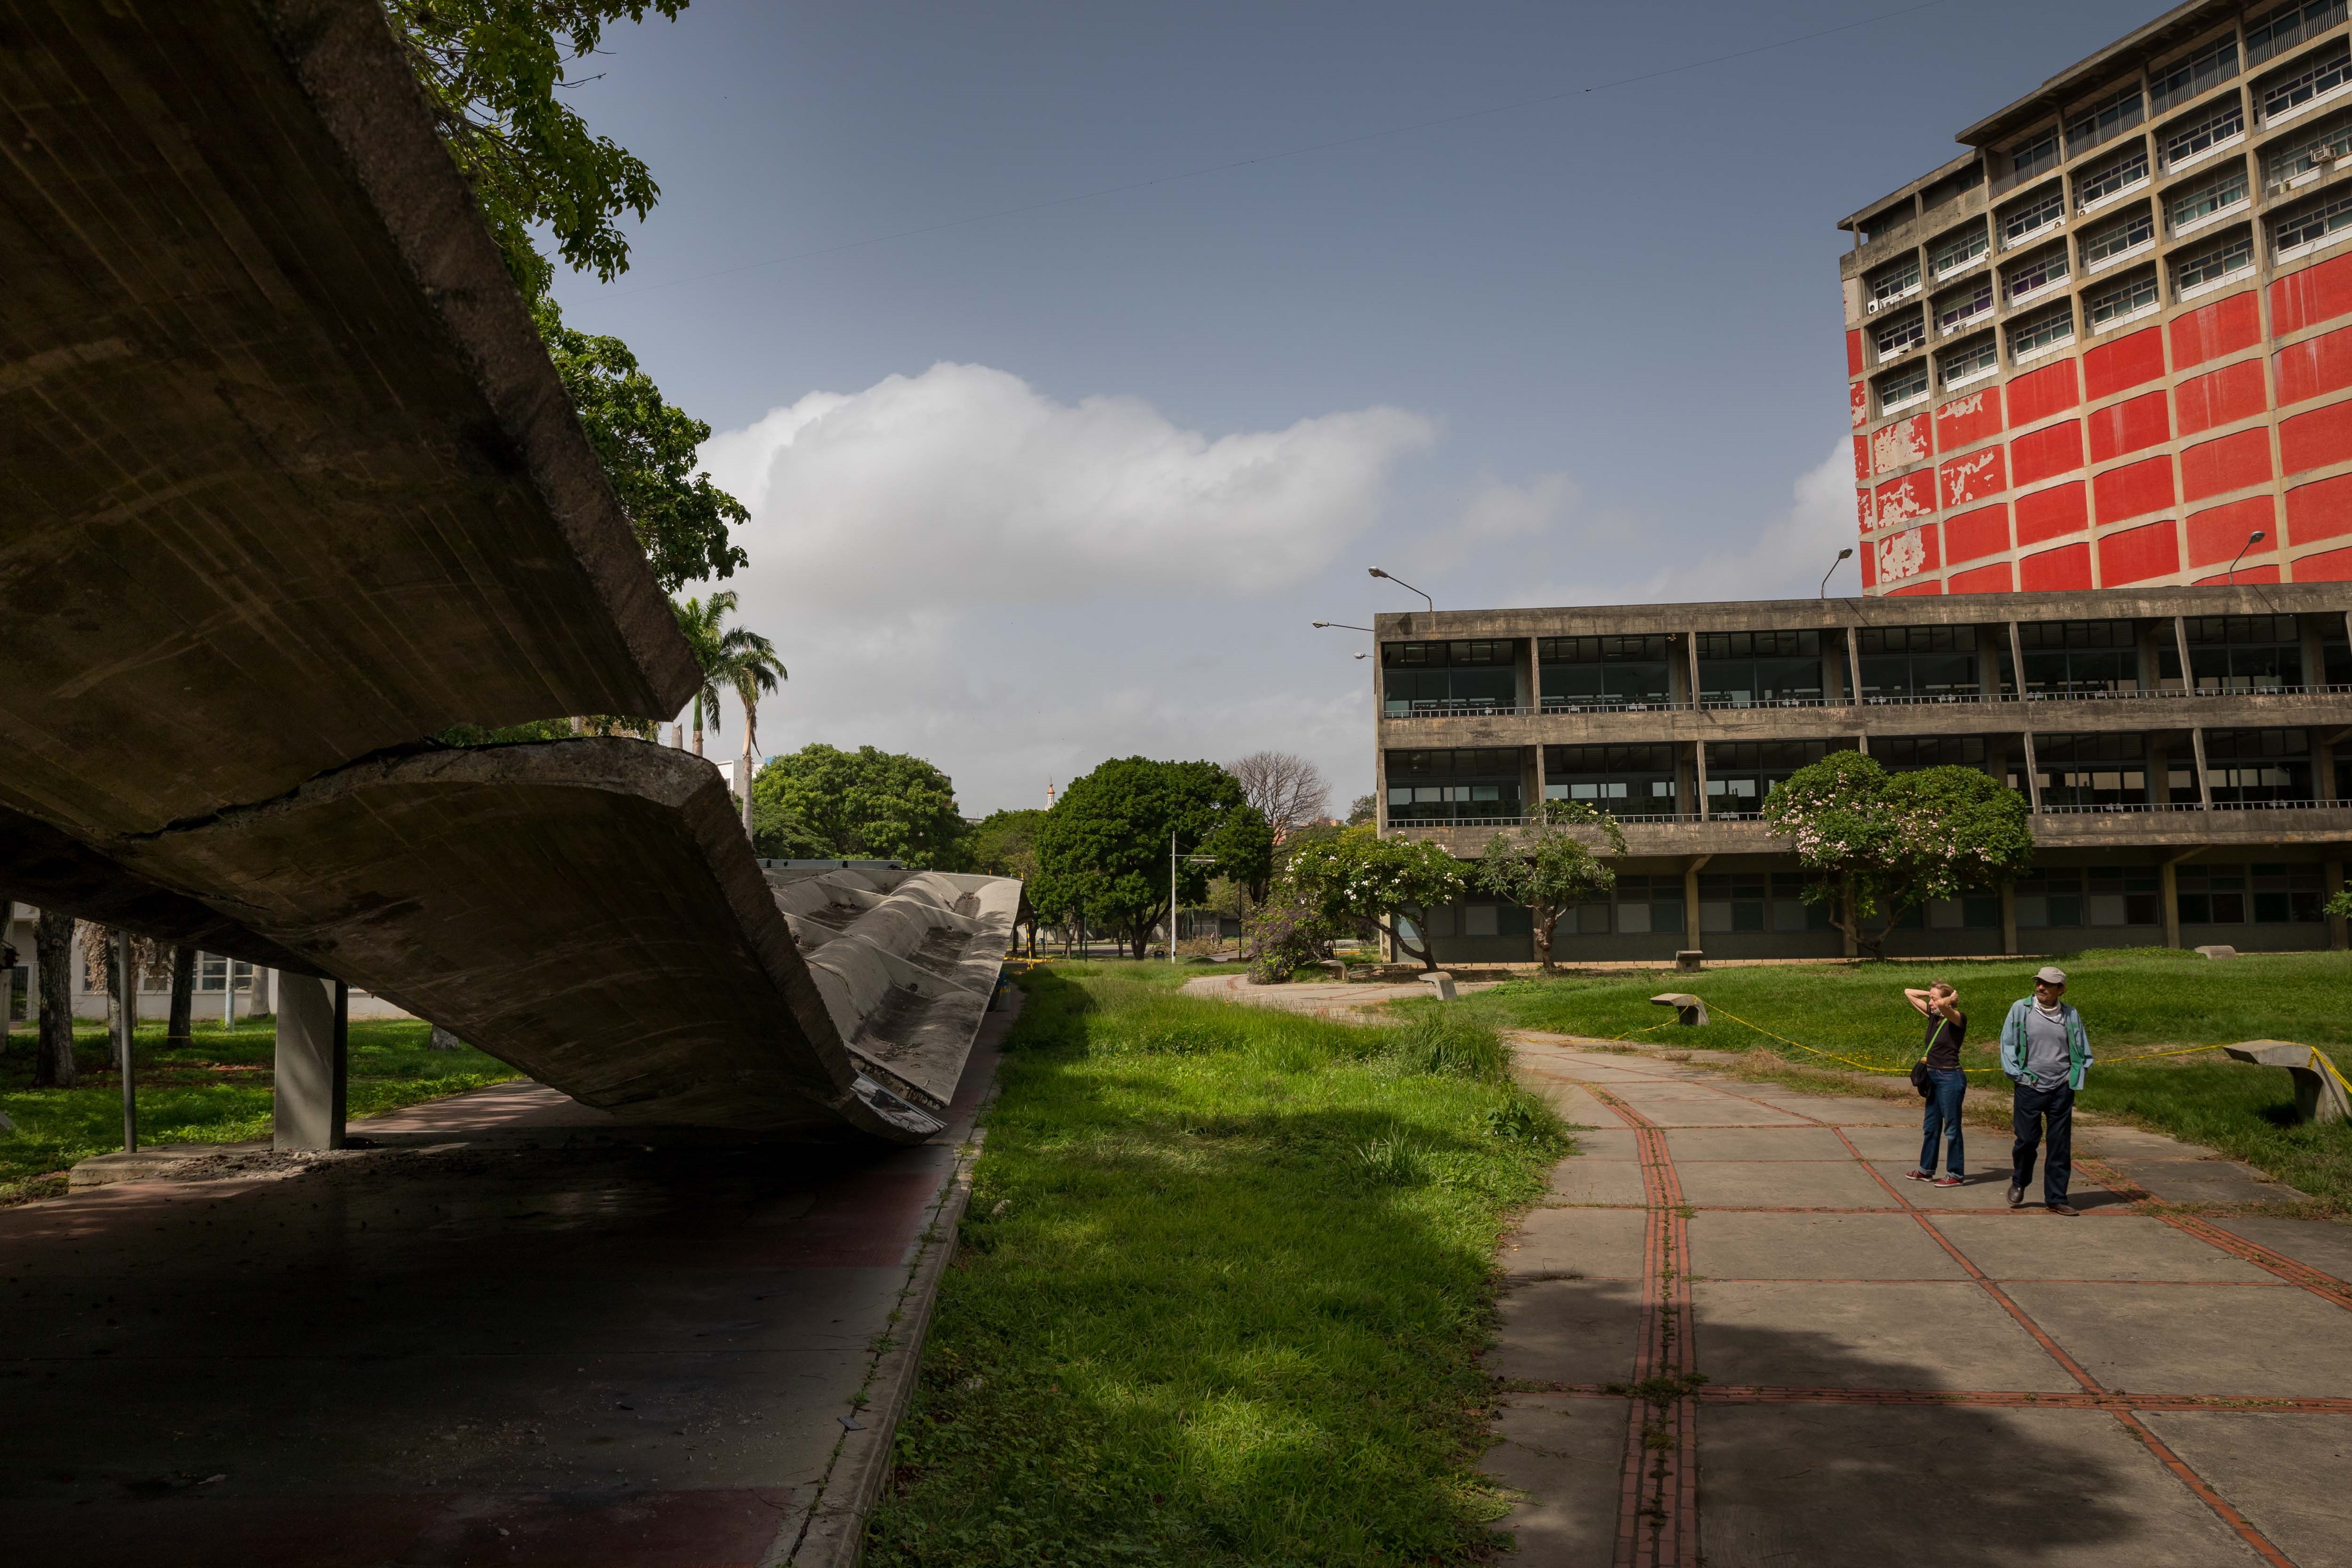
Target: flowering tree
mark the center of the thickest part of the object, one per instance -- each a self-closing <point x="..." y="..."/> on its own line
<point x="1549" y="868"/>
<point x="1893" y="841"/>
<point x="1391" y="883"/>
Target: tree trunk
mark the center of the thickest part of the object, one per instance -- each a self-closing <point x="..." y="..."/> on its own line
<point x="1547" y="920"/>
<point x="750" y="723"/>
<point x="180" y="1032"/>
<point x="53" y="1060"/>
<point x="698" y="726"/>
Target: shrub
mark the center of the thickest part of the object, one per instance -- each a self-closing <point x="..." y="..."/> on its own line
<point x="1281" y="936"/>
<point x="1438" y="1040"/>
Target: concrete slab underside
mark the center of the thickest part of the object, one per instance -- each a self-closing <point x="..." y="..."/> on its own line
<point x="518" y="1335"/>
<point x="1838" y="1366"/>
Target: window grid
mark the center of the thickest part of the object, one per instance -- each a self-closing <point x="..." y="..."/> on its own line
<point x="2116" y="112"/>
<point x="2331" y="138"/>
<point x="2124" y="297"/>
<point x="2226" y="257"/>
<point x="2203" y="197"/>
<point x="2207" y="68"/>
<point x="1898" y="388"/>
<point x="2038" y="156"/>
<point x="2118" y="234"/>
<point x="2037" y="271"/>
<point x="1894" y="282"/>
<point x="1906" y="330"/>
<point x="2323" y="71"/>
<point x="1956" y="308"/>
<point x="2042" y="208"/>
<point x="1958" y="248"/>
<point x="2042" y="330"/>
<point x="2209" y="129"/>
<point x="2126" y="168"/>
<point x="1970" y="359"/>
<point x="2313" y="222"/>
<point x="2288" y="25"/>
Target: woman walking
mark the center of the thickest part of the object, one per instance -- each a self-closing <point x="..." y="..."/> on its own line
<point x="1948" y="1027"/>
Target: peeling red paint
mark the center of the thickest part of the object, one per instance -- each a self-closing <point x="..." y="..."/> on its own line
<point x="1860" y="459"/>
<point x="1906" y="555"/>
<point x="1961" y="481"/>
<point x="1965" y="421"/>
<point x="1898" y="445"/>
<point x="1859" y="395"/>
<point x="1913" y="495"/>
<point x="1862" y="511"/>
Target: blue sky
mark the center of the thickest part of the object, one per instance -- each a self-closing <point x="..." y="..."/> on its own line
<point x="1031" y="490"/>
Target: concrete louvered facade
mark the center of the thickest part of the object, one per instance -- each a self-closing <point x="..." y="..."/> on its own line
<point x="2112" y="341"/>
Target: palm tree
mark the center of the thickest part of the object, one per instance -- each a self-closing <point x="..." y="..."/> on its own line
<point x="730" y="656"/>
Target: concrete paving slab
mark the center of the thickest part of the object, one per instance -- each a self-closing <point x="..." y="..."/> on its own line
<point x="1688" y="1145"/>
<point x="1816" y="1246"/>
<point x="1901" y="1142"/>
<point x="2198" y="1340"/>
<point x="2102" y="1141"/>
<point x="1562" y="1456"/>
<point x="1985" y="1186"/>
<point x="1780" y="1183"/>
<point x="1611" y="1140"/>
<point x="1839" y="1110"/>
<point x="1694" y="1111"/>
<point x="1580" y="1179"/>
<point x="1567" y="1331"/>
<point x="1864" y="1487"/>
<point x="2314" y="1243"/>
<point x="2122" y="1247"/>
<point x="2204" y="1181"/>
<point x="2280" y="1471"/>
<point x="1593" y="1243"/>
<point x="1940" y="1336"/>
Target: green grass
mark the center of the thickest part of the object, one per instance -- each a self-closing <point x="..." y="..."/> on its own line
<point x="1221" y="1290"/>
<point x="215" y="1090"/>
<point x="2133" y="1000"/>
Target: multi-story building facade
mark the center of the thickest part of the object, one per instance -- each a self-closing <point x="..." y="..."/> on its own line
<point x="2186" y="752"/>
<point x="2111" y="343"/>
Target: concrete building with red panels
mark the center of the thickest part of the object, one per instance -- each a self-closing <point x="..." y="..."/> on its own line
<point x="2110" y="345"/>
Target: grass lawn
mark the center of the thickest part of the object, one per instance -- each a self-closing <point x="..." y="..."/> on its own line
<point x="2133" y="1000"/>
<point x="1220" y="1291"/>
<point x="216" y="1091"/>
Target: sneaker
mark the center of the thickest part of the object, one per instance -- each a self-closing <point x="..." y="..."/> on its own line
<point x="1948" y="1180"/>
<point x="2017" y="1197"/>
<point x="2067" y="1209"/>
<point x="1917" y="1176"/>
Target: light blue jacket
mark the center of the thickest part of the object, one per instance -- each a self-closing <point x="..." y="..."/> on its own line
<point x="2012" y="1042"/>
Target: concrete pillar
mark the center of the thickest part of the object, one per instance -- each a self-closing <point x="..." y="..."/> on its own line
<point x="2314" y="657"/>
<point x="313" y="1063"/>
<point x="1691" y="936"/>
<point x="1698" y="766"/>
<point x="2339" y="936"/>
<point x="1853" y="669"/>
<point x="1529" y="680"/>
<point x="1690" y="642"/>
<point x="2180" y="644"/>
<point x="259" y="1001"/>
<point x="2017" y="659"/>
<point x="2169" y="887"/>
<point x="2009" y="917"/>
<point x="1989" y="646"/>
<point x="2204" y="777"/>
<point x="2032" y="772"/>
<point x="1539" y="810"/>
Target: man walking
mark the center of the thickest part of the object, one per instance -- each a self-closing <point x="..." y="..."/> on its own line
<point x="2045" y="1053"/>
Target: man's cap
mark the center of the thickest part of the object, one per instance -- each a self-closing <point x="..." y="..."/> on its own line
<point x="2051" y="974"/>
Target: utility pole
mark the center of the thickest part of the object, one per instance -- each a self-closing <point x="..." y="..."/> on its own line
<point x="126" y="1021"/>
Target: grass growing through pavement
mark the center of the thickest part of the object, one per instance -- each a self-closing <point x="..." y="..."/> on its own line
<point x="216" y="1091"/>
<point x="2134" y="999"/>
<point x="1222" y="1280"/>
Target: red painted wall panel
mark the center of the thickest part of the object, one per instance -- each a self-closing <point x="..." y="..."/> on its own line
<point x="2327" y="566"/>
<point x="1909" y="553"/>
<point x="1915" y="591"/>
<point x="2313" y="295"/>
<point x="1997" y="578"/>
<point x="2316" y="440"/>
<point x="2242" y="574"/>
<point x="2232" y="463"/>
<point x="2219" y="328"/>
<point x="2217" y="532"/>
<point x="2042" y="394"/>
<point x="2132" y="426"/>
<point x="2055" y="450"/>
<point x="1858" y="398"/>
<point x="1862" y="511"/>
<point x="1860" y="459"/>
<point x="2051" y="513"/>
<point x="1965" y="421"/>
<point x="1869" y="576"/>
<point x="1913" y="495"/>
<point x="2321" y="511"/>
<point x="2128" y="361"/>
<point x="2139" y="555"/>
<point x="2133" y="491"/>
<point x="1962" y="481"/>
<point x="2232" y="392"/>
<point x="1854" y="351"/>
<point x="2069" y="566"/>
<point x="1974" y="534"/>
<point x="1899" y="445"/>
<point x="2314" y="365"/>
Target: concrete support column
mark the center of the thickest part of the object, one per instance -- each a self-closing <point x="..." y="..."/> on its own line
<point x="1698" y="765"/>
<point x="2204" y="778"/>
<point x="1691" y="935"/>
<point x="259" y="1000"/>
<point x="2168" y="887"/>
<point x="1690" y="641"/>
<point x="1988" y="646"/>
<point x="1531" y="679"/>
<point x="2180" y="644"/>
<point x="2032" y="772"/>
<point x="1853" y="668"/>
<point x="2009" y="917"/>
<point x="2323" y="766"/>
<point x="2339" y="936"/>
<point x="1539" y="810"/>
<point x="313" y="1063"/>
<point x="1846" y="906"/>
<point x="2314" y="657"/>
<point x="1380" y="783"/>
<point x="2017" y="659"/>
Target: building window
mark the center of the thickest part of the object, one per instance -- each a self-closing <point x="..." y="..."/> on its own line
<point x="1744" y="669"/>
<point x="1961" y="247"/>
<point x="2292" y="157"/>
<point x="2080" y="659"/>
<point x="2259" y="767"/>
<point x="214" y="972"/>
<point x="2036" y="157"/>
<point x="1956" y="307"/>
<point x="2091" y="769"/>
<point x="1734" y="901"/>
<point x="1906" y="329"/>
<point x="1971" y="361"/>
<point x="1938" y="663"/>
<point x="2218" y="192"/>
<point x="2031" y="214"/>
<point x="2209" y="67"/>
<point x="1792" y="913"/>
<point x="2185" y="139"/>
<point x="2238" y="653"/>
<point x="1577" y="674"/>
<point x="2311" y="223"/>
<point x="2119" y="112"/>
<point x="2211" y="895"/>
<point x="1910" y="753"/>
<point x="2290" y="24"/>
<point x="2289" y="893"/>
<point x="2040" y="270"/>
<point x="2043" y="329"/>
<point x="1624" y="780"/>
<point x="2320" y="71"/>
<point x="1900" y="389"/>
<point x="1651" y="904"/>
<point x="2067" y="895"/>
<point x="2112" y="175"/>
<point x="2210" y="263"/>
<point x="1893" y="282"/>
<point x="1741" y="773"/>
<point x="1473" y="676"/>
<point x="2119" y="235"/>
<point x="2281" y="894"/>
<point x="1469" y="784"/>
<point x="2133" y="294"/>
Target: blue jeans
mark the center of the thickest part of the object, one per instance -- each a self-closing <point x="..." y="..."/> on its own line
<point x="2037" y="1108"/>
<point x="1944" y="1116"/>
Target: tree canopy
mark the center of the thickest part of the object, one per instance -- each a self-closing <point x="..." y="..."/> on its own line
<point x="1894" y="841"/>
<point x="1287" y="789"/>
<point x="1549" y="867"/>
<point x="1005" y="844"/>
<point x="821" y="803"/>
<point x="1104" y="846"/>
<point x="1391" y="883"/>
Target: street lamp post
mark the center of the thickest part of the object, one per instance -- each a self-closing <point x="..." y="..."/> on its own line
<point x="2252" y="540"/>
<point x="1842" y="555"/>
<point x="1407" y="586"/>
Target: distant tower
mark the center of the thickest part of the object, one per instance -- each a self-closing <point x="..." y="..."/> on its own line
<point x="1049" y="794"/>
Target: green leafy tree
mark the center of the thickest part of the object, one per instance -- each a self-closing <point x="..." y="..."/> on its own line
<point x="1104" y="848"/>
<point x="1893" y="842"/>
<point x="1549" y="868"/>
<point x="823" y="803"/>
<point x="717" y="648"/>
<point x="1394" y="883"/>
<point x="1365" y="808"/>
<point x="1005" y="844"/>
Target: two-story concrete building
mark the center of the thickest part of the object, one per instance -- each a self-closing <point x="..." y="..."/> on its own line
<point x="2184" y="752"/>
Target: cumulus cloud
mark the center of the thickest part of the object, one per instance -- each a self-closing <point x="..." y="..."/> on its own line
<point x="1497" y="510"/>
<point x="1786" y="557"/>
<point x="965" y="483"/>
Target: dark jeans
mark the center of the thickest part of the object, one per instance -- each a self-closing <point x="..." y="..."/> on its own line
<point x="2035" y="1108"/>
<point x="1944" y="1117"/>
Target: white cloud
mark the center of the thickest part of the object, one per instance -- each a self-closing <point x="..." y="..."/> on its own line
<point x="1786" y="557"/>
<point x="1498" y="511"/>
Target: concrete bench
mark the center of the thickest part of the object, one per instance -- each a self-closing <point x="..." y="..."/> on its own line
<point x="2318" y="1088"/>
<point x="1440" y="983"/>
<point x="1689" y="1011"/>
<point x="2218" y="950"/>
<point x="1690" y="961"/>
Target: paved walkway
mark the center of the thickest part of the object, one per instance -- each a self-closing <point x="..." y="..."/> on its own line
<point x="1323" y="998"/>
<point x="515" y="1334"/>
<point x="1736" y="1337"/>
